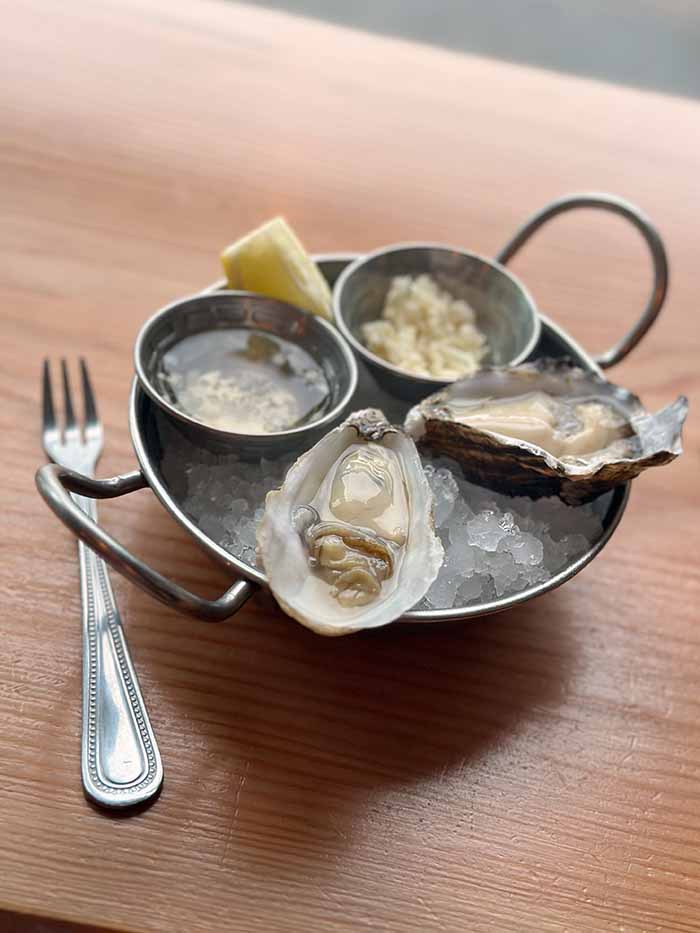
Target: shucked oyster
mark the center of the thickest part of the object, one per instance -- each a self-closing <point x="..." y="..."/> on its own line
<point x="547" y="428"/>
<point x="347" y="542"/>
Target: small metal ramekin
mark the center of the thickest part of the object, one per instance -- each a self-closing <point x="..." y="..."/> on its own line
<point x="505" y="311"/>
<point x="224" y="309"/>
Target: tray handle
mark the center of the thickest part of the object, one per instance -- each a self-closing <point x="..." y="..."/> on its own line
<point x="55" y="483"/>
<point x="651" y="236"/>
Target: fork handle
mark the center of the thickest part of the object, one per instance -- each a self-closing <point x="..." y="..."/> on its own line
<point x="120" y="761"/>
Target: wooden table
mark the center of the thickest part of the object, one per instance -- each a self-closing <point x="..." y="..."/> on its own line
<point x="536" y="771"/>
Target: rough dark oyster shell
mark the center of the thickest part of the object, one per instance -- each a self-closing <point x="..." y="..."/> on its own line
<point x="521" y="468"/>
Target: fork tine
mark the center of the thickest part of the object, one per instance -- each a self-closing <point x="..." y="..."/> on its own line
<point x="68" y="400"/>
<point x="88" y="396"/>
<point x="48" y="415"/>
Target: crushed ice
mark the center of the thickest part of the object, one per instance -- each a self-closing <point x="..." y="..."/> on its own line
<point x="495" y="545"/>
<point x="498" y="545"/>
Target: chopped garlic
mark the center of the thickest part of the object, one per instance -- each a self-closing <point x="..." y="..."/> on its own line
<point x="426" y="331"/>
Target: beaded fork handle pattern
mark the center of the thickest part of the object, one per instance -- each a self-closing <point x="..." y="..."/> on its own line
<point x="121" y="763"/>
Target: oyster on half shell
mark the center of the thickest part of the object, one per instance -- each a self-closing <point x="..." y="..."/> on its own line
<point x="547" y="428"/>
<point x="348" y="542"/>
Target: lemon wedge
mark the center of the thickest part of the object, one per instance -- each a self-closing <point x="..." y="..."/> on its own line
<point x="272" y="262"/>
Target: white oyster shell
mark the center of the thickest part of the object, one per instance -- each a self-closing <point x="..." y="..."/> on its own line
<point x="300" y="590"/>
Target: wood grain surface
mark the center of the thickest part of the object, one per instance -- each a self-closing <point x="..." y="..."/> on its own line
<point x="534" y="771"/>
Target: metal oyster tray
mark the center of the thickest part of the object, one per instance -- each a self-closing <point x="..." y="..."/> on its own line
<point x="148" y="427"/>
<point x="150" y="430"/>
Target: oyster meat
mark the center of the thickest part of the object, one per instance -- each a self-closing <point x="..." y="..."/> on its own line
<point x="547" y="428"/>
<point x="348" y="542"/>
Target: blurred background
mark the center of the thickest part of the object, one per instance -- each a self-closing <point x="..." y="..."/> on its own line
<point x="645" y="43"/>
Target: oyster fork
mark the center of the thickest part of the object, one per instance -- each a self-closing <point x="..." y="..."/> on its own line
<point x="120" y="761"/>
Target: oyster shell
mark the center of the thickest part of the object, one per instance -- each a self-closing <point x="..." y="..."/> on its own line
<point x="547" y="428"/>
<point x="348" y="542"/>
